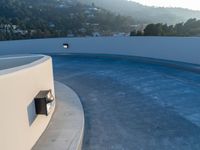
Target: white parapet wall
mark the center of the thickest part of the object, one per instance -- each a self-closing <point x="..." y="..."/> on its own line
<point x="21" y="78"/>
<point x="183" y="49"/>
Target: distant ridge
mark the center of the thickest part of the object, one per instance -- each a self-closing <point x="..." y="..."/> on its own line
<point x="145" y="14"/>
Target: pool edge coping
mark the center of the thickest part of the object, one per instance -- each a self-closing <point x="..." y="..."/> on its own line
<point x="78" y="116"/>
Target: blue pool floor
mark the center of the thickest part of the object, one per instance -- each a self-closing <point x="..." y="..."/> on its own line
<point x="133" y="105"/>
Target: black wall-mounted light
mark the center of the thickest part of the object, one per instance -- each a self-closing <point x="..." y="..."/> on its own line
<point x="65" y="45"/>
<point x="44" y="102"/>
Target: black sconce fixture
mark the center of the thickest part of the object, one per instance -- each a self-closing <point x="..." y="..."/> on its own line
<point x="65" y="45"/>
<point x="44" y="102"/>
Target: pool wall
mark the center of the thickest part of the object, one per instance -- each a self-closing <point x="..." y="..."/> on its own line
<point x="20" y="127"/>
<point x="183" y="49"/>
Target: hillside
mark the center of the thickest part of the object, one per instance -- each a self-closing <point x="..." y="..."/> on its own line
<point x="145" y="14"/>
<point x="21" y="19"/>
<point x="189" y="28"/>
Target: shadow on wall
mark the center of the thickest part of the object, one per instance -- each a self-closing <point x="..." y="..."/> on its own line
<point x="31" y="112"/>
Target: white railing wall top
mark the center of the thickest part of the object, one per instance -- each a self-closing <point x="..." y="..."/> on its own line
<point x="183" y="49"/>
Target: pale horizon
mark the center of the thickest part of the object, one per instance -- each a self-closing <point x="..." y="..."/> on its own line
<point x="189" y="4"/>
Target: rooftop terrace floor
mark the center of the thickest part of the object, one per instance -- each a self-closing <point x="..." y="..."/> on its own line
<point x="133" y="105"/>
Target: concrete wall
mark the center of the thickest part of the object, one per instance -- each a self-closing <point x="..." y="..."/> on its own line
<point x="184" y="49"/>
<point x="19" y="127"/>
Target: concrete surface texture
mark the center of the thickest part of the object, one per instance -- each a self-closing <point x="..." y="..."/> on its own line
<point x="65" y="131"/>
<point x="133" y="105"/>
<point x="185" y="49"/>
<point x="20" y="127"/>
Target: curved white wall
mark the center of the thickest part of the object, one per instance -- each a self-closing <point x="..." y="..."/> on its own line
<point x="18" y="87"/>
<point x="184" y="49"/>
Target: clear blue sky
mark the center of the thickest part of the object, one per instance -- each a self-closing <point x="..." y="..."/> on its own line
<point x="191" y="4"/>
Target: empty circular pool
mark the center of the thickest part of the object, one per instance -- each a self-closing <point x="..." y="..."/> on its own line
<point x="134" y="104"/>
